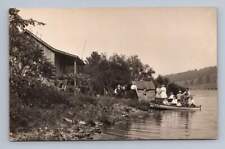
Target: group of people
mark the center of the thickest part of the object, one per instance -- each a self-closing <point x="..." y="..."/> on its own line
<point x="127" y="91"/>
<point x="119" y="90"/>
<point x="180" y="99"/>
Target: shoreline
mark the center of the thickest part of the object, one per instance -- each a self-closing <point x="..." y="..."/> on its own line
<point x="72" y="130"/>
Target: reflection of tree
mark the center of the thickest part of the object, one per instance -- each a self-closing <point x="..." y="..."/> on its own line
<point x="158" y="117"/>
<point x="118" y="131"/>
<point x="158" y="124"/>
<point x="186" y="117"/>
<point x="170" y="120"/>
<point x="200" y="80"/>
<point x="207" y="79"/>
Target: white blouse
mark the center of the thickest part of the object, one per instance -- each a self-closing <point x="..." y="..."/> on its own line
<point x="163" y="92"/>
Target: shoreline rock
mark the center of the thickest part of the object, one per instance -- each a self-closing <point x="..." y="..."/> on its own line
<point x="79" y="129"/>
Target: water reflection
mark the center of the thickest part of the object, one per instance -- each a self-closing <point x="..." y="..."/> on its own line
<point x="171" y="124"/>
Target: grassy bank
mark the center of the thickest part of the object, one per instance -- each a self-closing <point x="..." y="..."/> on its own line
<point x="67" y="117"/>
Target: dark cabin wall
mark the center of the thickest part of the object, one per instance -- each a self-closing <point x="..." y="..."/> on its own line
<point x="46" y="51"/>
<point x="49" y="55"/>
<point x="64" y="65"/>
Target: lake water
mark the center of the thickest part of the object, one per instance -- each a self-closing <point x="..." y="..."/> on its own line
<point x="170" y="124"/>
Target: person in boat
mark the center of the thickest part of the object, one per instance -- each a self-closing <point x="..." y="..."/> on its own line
<point x="187" y="97"/>
<point x="187" y="92"/>
<point x="165" y="102"/>
<point x="163" y="94"/>
<point x="179" y="103"/>
<point x="158" y="91"/>
<point x="171" y="97"/>
<point x="191" y="102"/>
<point x="179" y="98"/>
<point x="157" y="94"/>
<point x="174" y="101"/>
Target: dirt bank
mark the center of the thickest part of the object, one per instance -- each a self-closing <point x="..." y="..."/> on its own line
<point x="80" y="119"/>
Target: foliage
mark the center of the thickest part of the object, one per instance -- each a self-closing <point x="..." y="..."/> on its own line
<point x="138" y="69"/>
<point x="171" y="87"/>
<point x="117" y="69"/>
<point x="160" y="80"/>
<point x="27" y="66"/>
<point x="26" y="58"/>
<point x="34" y="105"/>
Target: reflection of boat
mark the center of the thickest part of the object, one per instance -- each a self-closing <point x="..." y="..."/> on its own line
<point x="173" y="107"/>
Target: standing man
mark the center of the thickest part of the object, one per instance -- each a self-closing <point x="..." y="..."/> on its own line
<point x="186" y="96"/>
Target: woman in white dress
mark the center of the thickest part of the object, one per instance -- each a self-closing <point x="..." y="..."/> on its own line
<point x="163" y="95"/>
<point x="163" y="92"/>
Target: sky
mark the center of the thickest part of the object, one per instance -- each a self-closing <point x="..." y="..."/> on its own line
<point x="170" y="40"/>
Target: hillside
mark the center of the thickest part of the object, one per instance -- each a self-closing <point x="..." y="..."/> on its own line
<point x="205" y="78"/>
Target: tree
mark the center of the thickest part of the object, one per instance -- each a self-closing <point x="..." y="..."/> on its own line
<point x="160" y="80"/>
<point x="135" y="66"/>
<point x="26" y="59"/>
<point x="120" y="70"/>
<point x="27" y="66"/>
<point x="171" y="87"/>
<point x="147" y="72"/>
<point x="139" y="71"/>
<point x="96" y="66"/>
<point x="107" y="73"/>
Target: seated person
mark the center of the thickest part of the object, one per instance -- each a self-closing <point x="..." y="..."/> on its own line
<point x="171" y="97"/>
<point x="179" y="104"/>
<point x="158" y="92"/>
<point x="174" y="101"/>
<point x="165" y="102"/>
<point x="191" y="102"/>
<point x="179" y="97"/>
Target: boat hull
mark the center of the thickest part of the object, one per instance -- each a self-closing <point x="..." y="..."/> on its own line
<point x="171" y="107"/>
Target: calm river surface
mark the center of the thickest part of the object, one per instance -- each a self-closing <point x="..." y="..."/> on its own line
<point x="171" y="124"/>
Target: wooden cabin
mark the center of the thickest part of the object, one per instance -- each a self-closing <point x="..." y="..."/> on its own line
<point x="65" y="63"/>
<point x="145" y="90"/>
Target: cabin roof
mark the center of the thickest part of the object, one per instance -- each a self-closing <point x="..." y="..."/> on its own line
<point x="77" y="58"/>
<point x="148" y="85"/>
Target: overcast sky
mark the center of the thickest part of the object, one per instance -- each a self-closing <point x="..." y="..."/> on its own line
<point x="168" y="39"/>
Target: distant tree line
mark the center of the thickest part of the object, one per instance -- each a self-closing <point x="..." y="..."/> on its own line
<point x="205" y="78"/>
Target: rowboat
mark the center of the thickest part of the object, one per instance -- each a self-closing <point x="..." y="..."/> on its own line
<point x="174" y="107"/>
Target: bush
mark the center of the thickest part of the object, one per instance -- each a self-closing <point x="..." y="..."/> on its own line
<point x="172" y="87"/>
<point x="28" y="106"/>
